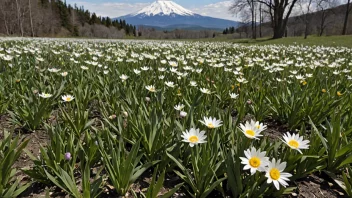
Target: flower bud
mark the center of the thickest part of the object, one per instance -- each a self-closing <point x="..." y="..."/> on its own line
<point x="68" y="156"/>
<point x="249" y="101"/>
<point x="183" y="114"/>
<point x="113" y="116"/>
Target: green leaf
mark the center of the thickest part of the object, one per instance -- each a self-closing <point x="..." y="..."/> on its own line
<point x="172" y="191"/>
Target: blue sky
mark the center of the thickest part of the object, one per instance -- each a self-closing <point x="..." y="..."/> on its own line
<point x="115" y="8"/>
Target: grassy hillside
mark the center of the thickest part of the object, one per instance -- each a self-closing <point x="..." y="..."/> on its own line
<point x="334" y="41"/>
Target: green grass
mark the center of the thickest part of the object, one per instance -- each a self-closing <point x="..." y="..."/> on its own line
<point x="333" y="41"/>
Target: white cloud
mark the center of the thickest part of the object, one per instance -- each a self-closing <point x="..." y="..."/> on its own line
<point x="112" y="9"/>
<point x="217" y="10"/>
<point x="109" y="8"/>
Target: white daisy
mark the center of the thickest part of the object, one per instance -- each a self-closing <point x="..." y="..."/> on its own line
<point x="45" y="95"/>
<point x="136" y="71"/>
<point x="295" y="141"/>
<point x="123" y="77"/>
<point x="260" y="126"/>
<point x="233" y="95"/>
<point x="173" y="63"/>
<point x="254" y="160"/>
<point x="193" y="136"/>
<point x="67" y="98"/>
<point x="299" y="77"/>
<point x="145" y="68"/>
<point x="183" y="114"/>
<point x="150" y="88"/>
<point x="211" y="123"/>
<point x="54" y="70"/>
<point x="193" y="83"/>
<point x="179" y="107"/>
<point x="205" y="90"/>
<point x="275" y="174"/>
<point x="169" y="84"/>
<point x="252" y="129"/>
<point x="162" y="69"/>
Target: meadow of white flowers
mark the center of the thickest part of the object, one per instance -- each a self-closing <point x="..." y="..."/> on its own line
<point x="200" y="112"/>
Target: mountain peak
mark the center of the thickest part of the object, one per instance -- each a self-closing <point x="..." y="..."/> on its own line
<point x="164" y="7"/>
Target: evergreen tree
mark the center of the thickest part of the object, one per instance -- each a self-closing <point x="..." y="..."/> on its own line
<point x="93" y="19"/>
<point x="108" y="22"/>
<point x="134" y="31"/>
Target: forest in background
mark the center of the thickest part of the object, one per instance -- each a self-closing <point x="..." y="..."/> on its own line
<point x="55" y="18"/>
<point x="298" y="18"/>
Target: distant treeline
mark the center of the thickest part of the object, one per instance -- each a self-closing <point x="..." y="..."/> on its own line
<point x="229" y="30"/>
<point x="57" y="18"/>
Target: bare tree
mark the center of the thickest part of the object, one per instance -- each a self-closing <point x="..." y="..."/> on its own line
<point x="280" y="11"/>
<point x="30" y="17"/>
<point x="348" y="10"/>
<point x="4" y="16"/>
<point x="19" y="20"/>
<point x="306" y="7"/>
<point x="243" y="7"/>
<point x="325" y="11"/>
<point x="260" y="20"/>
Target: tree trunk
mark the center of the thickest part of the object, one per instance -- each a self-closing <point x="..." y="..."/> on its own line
<point x="253" y="20"/>
<point x="344" y="30"/>
<point x="260" y="20"/>
<point x="281" y="17"/>
<point x="30" y="17"/>
<point x="255" y="24"/>
<point x="19" y="18"/>
<point x="322" y="22"/>
<point x="5" y="20"/>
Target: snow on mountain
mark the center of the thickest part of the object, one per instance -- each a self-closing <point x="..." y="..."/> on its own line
<point x="163" y="7"/>
<point x="168" y="14"/>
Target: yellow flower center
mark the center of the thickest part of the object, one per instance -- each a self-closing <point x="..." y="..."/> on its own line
<point x="274" y="174"/>
<point x="254" y="162"/>
<point x="152" y="89"/>
<point x="193" y="139"/>
<point x="339" y="93"/>
<point x="323" y="90"/>
<point x="293" y="143"/>
<point x="68" y="99"/>
<point x="210" y="125"/>
<point x="250" y="132"/>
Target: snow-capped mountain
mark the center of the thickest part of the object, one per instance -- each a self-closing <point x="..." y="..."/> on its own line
<point x="166" y="14"/>
<point x="163" y="8"/>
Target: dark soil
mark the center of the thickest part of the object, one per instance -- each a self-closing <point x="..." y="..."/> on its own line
<point x="317" y="186"/>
